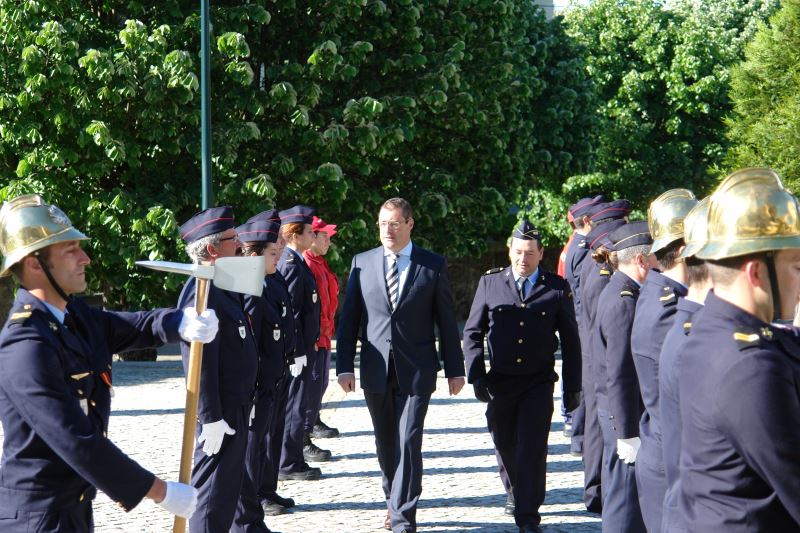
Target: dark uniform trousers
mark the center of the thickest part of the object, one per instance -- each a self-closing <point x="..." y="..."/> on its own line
<point x="301" y="389"/>
<point x="55" y="402"/>
<point x="277" y="294"/>
<point x="655" y="313"/>
<point x="594" y="277"/>
<point x="669" y="405"/>
<point x="267" y="314"/>
<point x="619" y="406"/>
<point x="399" y="452"/>
<point x="228" y="381"/>
<point x="740" y="419"/>
<point x="519" y="417"/>
<point x="577" y="253"/>
<point x="318" y="374"/>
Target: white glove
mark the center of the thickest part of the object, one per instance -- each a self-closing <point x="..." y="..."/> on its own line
<point x="628" y="448"/>
<point x="252" y="415"/>
<point x="180" y="499"/>
<point x="297" y="367"/>
<point x="212" y="434"/>
<point x="202" y="328"/>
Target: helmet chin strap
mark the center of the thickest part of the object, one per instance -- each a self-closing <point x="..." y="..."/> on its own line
<point x="773" y="282"/>
<point x="51" y="279"/>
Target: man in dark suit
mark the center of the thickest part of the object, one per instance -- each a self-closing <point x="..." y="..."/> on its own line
<point x="519" y="309"/>
<point x="396" y="294"/>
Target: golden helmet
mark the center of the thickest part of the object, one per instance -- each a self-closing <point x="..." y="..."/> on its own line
<point x="695" y="228"/>
<point x="28" y="224"/>
<point x="751" y="212"/>
<point x="666" y="214"/>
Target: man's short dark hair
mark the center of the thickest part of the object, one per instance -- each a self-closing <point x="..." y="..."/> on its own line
<point x="401" y="204"/>
<point x="725" y="271"/>
<point x="667" y="257"/>
<point x="697" y="271"/>
<point x="16" y="268"/>
<point x="578" y="223"/>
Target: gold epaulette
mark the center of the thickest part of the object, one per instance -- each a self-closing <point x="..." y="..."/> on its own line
<point x="494" y="270"/>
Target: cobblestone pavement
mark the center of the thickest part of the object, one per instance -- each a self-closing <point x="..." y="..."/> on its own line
<point x="461" y="489"/>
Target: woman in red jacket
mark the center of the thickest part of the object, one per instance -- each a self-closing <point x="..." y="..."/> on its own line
<point x="328" y="289"/>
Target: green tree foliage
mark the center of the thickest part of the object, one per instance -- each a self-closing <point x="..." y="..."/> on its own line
<point x="454" y="104"/>
<point x="663" y="75"/>
<point x="764" y="128"/>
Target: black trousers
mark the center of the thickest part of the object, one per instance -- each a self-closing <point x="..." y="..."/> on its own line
<point x="592" y="443"/>
<point x="651" y="483"/>
<point x="319" y="371"/>
<point x="218" y="477"/>
<point x="295" y="429"/>
<point x="621" y="512"/>
<point x="398" y="422"/>
<point x="273" y="440"/>
<point x="249" y="516"/>
<point x="518" y="417"/>
<point x="578" y="421"/>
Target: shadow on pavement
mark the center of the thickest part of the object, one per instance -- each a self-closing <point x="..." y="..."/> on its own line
<point x="148" y="412"/>
<point x="427" y="431"/>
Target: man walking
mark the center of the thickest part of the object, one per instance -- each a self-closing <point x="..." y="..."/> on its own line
<point x="520" y="309"/>
<point x="396" y="294"/>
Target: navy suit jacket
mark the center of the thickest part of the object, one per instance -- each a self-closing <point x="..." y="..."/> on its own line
<point x="408" y="332"/>
<point x="55" y="402"/>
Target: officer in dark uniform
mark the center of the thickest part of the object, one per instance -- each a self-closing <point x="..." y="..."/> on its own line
<point x="259" y="238"/>
<point x="619" y="405"/>
<point x="669" y="362"/>
<point x="227" y="378"/>
<point x="594" y="276"/>
<point x="575" y="254"/>
<point x="519" y="309"/>
<point x="739" y="374"/>
<point x="655" y="311"/>
<point x="55" y="381"/>
<point x="297" y="445"/>
<point x="277" y="295"/>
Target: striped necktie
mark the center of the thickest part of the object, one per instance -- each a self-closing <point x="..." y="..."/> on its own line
<point x="392" y="280"/>
<point x="522" y="286"/>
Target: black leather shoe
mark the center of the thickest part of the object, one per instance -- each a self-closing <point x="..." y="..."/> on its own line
<point x="305" y="474"/>
<point x="530" y="529"/>
<point x="280" y="500"/>
<point x="509" y="508"/>
<point x="322" y="431"/>
<point x="313" y="453"/>
<point x="272" y="508"/>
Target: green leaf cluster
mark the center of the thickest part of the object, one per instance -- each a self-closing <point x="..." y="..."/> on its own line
<point x="458" y="105"/>
<point x="663" y="74"/>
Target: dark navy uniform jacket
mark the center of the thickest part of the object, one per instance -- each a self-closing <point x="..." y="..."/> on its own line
<point x="273" y="326"/>
<point x="55" y="403"/>
<point x="655" y="313"/>
<point x="230" y="362"/>
<point x="740" y="414"/>
<point x="670" y="409"/>
<point x="521" y="334"/>
<point x="594" y="278"/>
<point x="577" y="252"/>
<point x="616" y="385"/>
<point x="305" y="301"/>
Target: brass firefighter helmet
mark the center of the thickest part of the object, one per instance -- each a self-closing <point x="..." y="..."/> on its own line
<point x="666" y="214"/>
<point x="751" y="212"/>
<point x="28" y="224"/>
<point x="695" y="228"/>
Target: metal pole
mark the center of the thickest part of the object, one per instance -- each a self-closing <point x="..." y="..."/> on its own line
<point x="205" y="107"/>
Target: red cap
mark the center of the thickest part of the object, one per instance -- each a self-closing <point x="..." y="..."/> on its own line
<point x="320" y="225"/>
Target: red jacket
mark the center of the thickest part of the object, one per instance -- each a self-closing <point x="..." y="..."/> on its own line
<point x="328" y="289"/>
<point x="563" y="257"/>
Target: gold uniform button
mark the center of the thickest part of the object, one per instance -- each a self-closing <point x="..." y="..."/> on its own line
<point x="94" y="403"/>
<point x="80" y="499"/>
<point x="543" y="313"/>
<point x="522" y="323"/>
<point x="519" y="359"/>
<point x="519" y="341"/>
